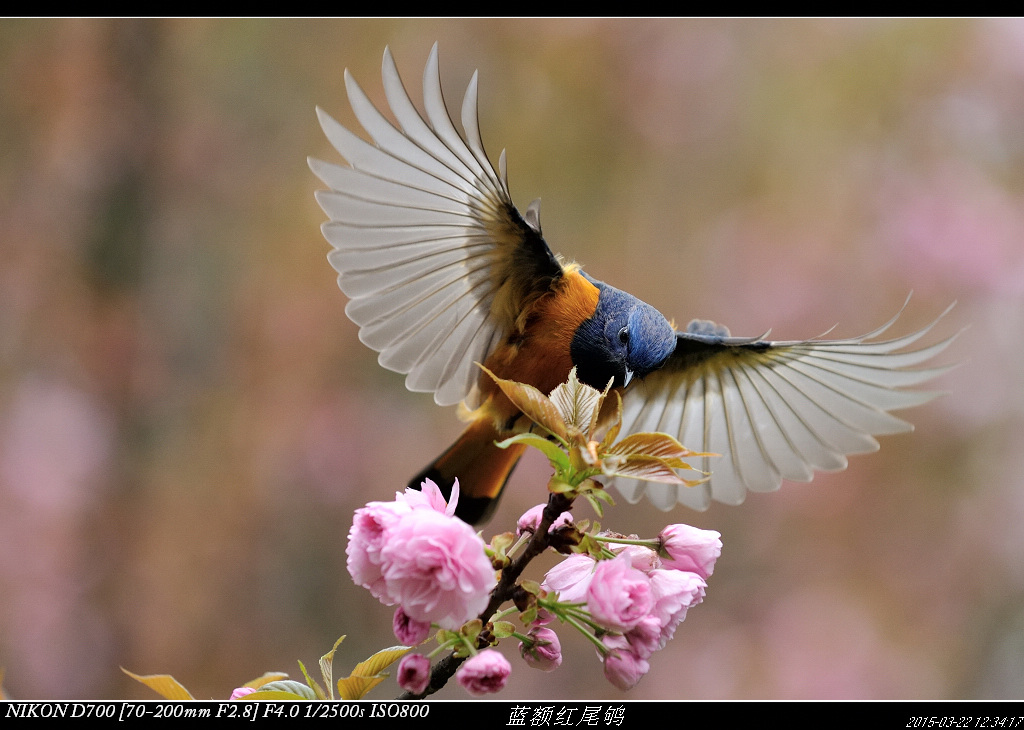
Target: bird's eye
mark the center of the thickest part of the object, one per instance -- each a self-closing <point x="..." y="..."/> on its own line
<point x="624" y="335"/>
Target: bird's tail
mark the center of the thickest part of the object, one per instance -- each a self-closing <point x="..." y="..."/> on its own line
<point x="481" y="468"/>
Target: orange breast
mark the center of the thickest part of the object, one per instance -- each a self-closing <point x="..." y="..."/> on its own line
<point x="540" y="354"/>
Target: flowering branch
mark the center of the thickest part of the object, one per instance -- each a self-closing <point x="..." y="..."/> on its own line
<point x="580" y="444"/>
<point x="505" y="591"/>
<point x="624" y="594"/>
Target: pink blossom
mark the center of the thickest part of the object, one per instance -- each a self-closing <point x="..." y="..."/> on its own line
<point x="642" y="558"/>
<point x="645" y="638"/>
<point x="435" y="567"/>
<point x="241" y="692"/>
<point x="414" y="673"/>
<point x="690" y="548"/>
<point x="619" y="595"/>
<point x="673" y="592"/>
<point x="623" y="667"/>
<point x="408" y="630"/>
<point x="571" y="578"/>
<point x="429" y="496"/>
<point x="484" y="673"/>
<point x="545" y="653"/>
<point x="531" y="518"/>
<point x="544" y="617"/>
<point x="365" y="540"/>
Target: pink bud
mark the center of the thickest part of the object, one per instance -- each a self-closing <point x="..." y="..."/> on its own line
<point x="408" y="630"/>
<point x="691" y="549"/>
<point x="622" y="666"/>
<point x="414" y="673"/>
<point x="645" y="637"/>
<point x="531" y="518"/>
<point x="545" y="653"/>
<point x="484" y="673"/>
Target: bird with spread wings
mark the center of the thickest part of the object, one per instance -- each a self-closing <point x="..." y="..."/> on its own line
<point x="444" y="273"/>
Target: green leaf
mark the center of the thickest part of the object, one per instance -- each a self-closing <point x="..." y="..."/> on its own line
<point x="591" y="547"/>
<point x="550" y="449"/>
<point x="163" y="684"/>
<point x="317" y="689"/>
<point x="446" y="636"/>
<point x="503" y="629"/>
<point x="558" y="486"/>
<point x="471" y="629"/>
<point x="592" y="485"/>
<point x="501" y="543"/>
<point x="534" y="404"/>
<point x="497" y="551"/>
<point x="530" y="586"/>
<point x="528" y="616"/>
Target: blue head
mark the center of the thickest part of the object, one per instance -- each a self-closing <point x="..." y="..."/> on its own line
<point x="624" y="338"/>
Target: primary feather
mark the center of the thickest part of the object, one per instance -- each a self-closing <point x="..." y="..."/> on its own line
<point x="427" y="243"/>
<point x="774" y="410"/>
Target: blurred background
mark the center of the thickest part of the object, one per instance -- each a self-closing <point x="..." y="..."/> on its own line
<point x="188" y="419"/>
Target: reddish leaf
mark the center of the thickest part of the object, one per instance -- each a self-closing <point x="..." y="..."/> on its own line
<point x="534" y="404"/>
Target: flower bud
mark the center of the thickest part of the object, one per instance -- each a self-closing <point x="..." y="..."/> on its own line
<point x="414" y="673"/>
<point x="545" y="653"/>
<point x="484" y="673"/>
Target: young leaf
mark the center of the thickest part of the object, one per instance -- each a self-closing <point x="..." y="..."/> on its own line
<point x="163" y="684"/>
<point x="535" y="405"/>
<point x="660" y="445"/>
<point x="550" y="449"/>
<point x="326" y="671"/>
<point x="287" y="689"/>
<point x="640" y="466"/>
<point x="355" y="687"/>
<point x="380" y="660"/>
<point x="368" y="673"/>
<point x="317" y="689"/>
<point x="503" y="629"/>
<point x="578" y="404"/>
<point x="609" y="420"/>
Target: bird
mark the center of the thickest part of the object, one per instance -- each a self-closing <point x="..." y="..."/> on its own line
<point x="444" y="274"/>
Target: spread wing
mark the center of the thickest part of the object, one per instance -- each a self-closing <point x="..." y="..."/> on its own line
<point x="436" y="259"/>
<point x="773" y="410"/>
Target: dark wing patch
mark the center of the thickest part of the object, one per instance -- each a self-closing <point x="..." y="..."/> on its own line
<point x="436" y="259"/>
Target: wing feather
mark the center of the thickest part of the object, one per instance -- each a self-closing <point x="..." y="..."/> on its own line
<point x="428" y="246"/>
<point x="774" y="410"/>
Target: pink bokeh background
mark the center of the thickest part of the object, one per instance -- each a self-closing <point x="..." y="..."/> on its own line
<point x="188" y="420"/>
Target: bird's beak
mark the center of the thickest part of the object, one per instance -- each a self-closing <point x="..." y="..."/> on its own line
<point x="627" y="377"/>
